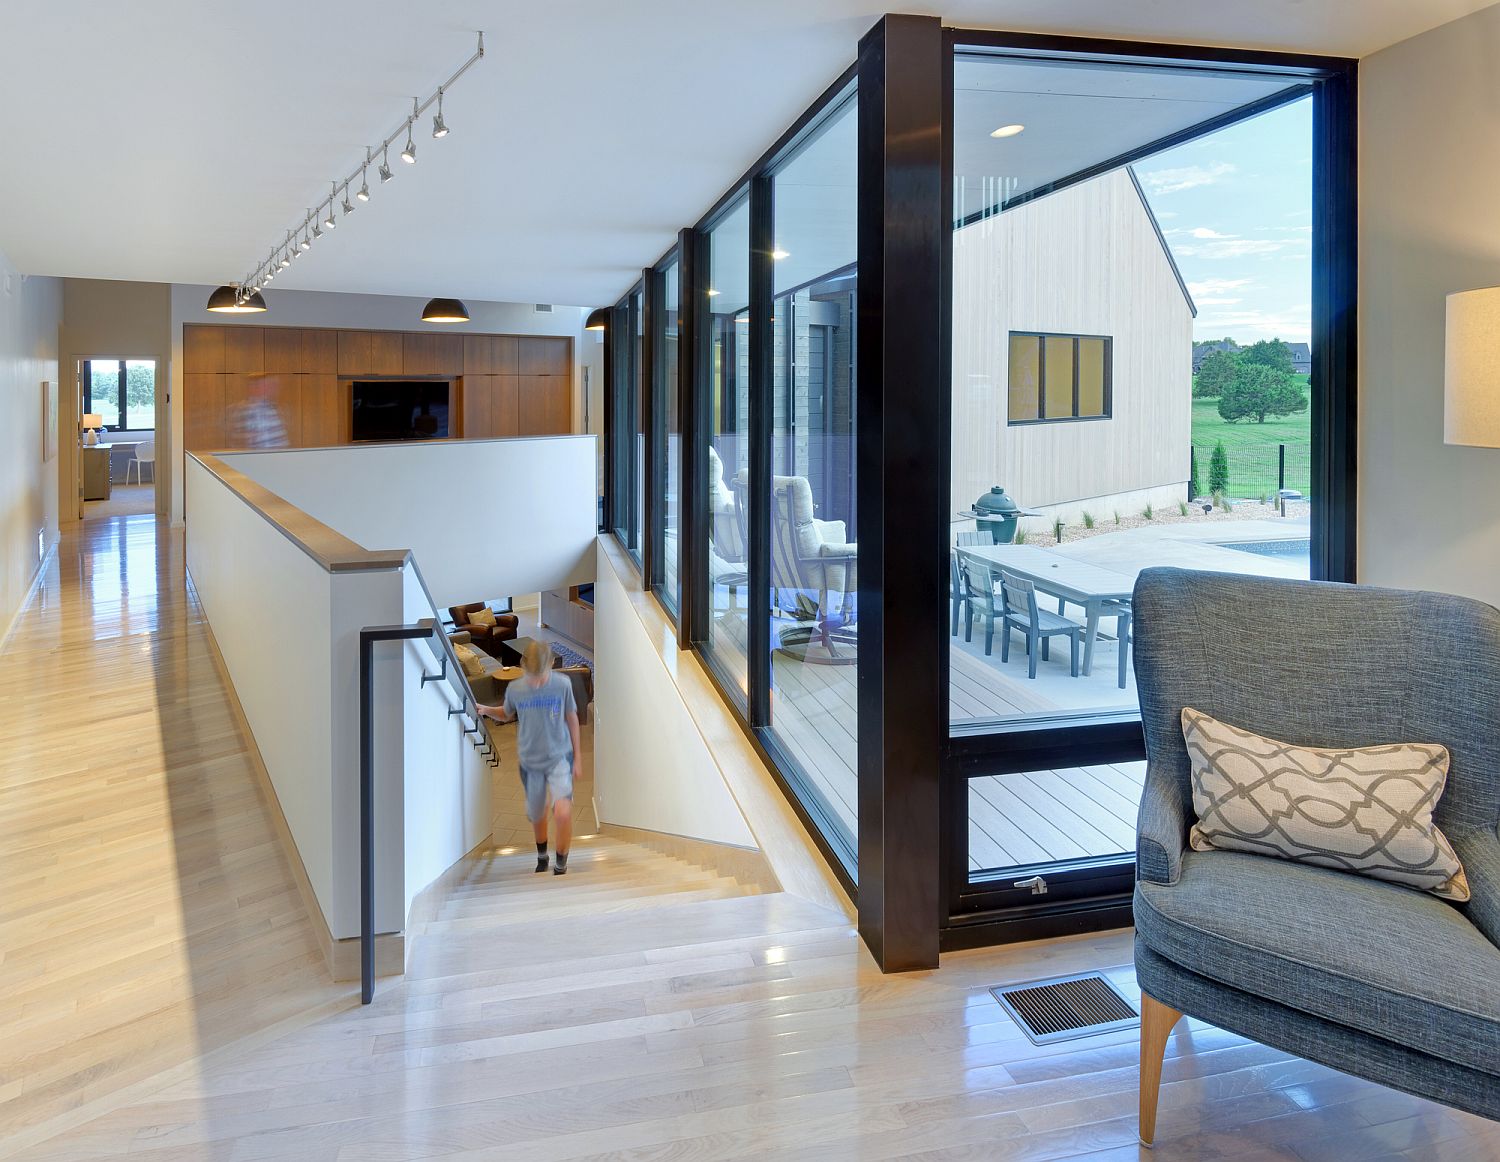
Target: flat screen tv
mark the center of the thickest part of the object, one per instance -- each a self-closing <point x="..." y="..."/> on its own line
<point x="396" y="409"/>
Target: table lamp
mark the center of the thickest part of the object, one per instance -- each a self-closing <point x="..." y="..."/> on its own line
<point x="92" y="422"/>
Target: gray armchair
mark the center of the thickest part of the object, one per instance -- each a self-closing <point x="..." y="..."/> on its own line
<point x="1380" y="981"/>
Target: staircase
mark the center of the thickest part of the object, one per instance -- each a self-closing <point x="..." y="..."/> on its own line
<point x="617" y="900"/>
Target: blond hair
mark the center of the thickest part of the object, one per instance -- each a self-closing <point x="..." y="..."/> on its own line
<point x="538" y="658"/>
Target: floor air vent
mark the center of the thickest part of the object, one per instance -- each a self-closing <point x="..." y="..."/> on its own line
<point x="1063" y="1007"/>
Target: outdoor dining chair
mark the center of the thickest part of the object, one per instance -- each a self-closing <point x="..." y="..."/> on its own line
<point x="1040" y="626"/>
<point x="960" y="599"/>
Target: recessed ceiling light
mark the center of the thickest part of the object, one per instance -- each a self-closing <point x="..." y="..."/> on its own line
<point x="778" y="254"/>
<point x="1008" y="130"/>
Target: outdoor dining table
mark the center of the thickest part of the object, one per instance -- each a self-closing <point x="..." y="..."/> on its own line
<point x="1077" y="581"/>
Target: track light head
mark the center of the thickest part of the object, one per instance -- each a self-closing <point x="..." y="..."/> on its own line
<point x="385" y="165"/>
<point x="317" y="231"/>
<point x="348" y="206"/>
<point x="364" y="187"/>
<point x="284" y="262"/>
<point x="409" y="151"/>
<point x="331" y="222"/>
<point x="439" y="126"/>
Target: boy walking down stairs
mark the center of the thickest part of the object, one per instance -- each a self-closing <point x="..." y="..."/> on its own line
<point x="547" y="747"/>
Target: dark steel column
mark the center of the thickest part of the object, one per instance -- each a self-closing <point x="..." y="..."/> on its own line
<point x="903" y="490"/>
<point x="693" y="373"/>
<point x="762" y="419"/>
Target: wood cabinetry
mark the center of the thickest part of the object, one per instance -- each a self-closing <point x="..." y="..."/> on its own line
<point x="503" y="385"/>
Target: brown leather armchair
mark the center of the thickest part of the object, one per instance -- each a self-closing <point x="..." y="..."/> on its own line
<point x="484" y="637"/>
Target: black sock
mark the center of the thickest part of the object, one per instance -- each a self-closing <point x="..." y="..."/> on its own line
<point x="541" y="856"/>
<point x="562" y="864"/>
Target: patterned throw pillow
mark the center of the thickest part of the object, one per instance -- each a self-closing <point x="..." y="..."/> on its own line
<point x="468" y="658"/>
<point x="1366" y="810"/>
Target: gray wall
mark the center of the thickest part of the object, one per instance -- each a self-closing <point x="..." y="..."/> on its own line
<point x="30" y="310"/>
<point x="1429" y="224"/>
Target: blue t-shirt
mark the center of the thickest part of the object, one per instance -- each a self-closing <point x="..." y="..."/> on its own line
<point x="542" y="738"/>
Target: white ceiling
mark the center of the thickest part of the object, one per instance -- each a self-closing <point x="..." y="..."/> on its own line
<point x="176" y="141"/>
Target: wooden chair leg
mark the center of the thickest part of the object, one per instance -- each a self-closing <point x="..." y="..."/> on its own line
<point x="1156" y="1024"/>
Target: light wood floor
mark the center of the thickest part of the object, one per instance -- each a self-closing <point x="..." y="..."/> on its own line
<point x="637" y="1008"/>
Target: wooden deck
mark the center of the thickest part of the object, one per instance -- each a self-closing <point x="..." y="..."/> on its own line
<point x="1038" y="816"/>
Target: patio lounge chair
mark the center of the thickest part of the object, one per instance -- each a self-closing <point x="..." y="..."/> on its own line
<point x="1376" y="979"/>
<point x="810" y="558"/>
<point x="1040" y="626"/>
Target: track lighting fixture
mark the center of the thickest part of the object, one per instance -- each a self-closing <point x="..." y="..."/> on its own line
<point x="245" y="295"/>
<point x="409" y="150"/>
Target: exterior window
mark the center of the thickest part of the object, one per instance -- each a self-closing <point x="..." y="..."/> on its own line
<point x="1058" y="377"/>
<point x="123" y="391"/>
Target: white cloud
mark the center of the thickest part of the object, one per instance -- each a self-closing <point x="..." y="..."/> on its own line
<point x="1205" y="232"/>
<point x="1164" y="215"/>
<point x="1216" y="286"/>
<point x="1292" y="324"/>
<point x="1209" y="301"/>
<point x="1172" y="181"/>
<point x="1233" y="248"/>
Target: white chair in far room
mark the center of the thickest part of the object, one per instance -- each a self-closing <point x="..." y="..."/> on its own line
<point x="145" y="453"/>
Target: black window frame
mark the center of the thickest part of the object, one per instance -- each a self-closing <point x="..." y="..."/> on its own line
<point x="124" y="413"/>
<point x="1041" y="379"/>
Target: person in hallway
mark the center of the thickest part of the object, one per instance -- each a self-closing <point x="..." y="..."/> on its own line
<point x="254" y="422"/>
<point x="547" y="747"/>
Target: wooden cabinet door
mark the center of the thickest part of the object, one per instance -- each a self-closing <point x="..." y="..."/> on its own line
<point x="244" y="350"/>
<point x="490" y="355"/>
<point x="541" y="355"/>
<point x="325" y="411"/>
<point x="424" y="354"/>
<point x="320" y="352"/>
<point x="387" y="356"/>
<point x="202" y="411"/>
<point x="354" y="353"/>
<point x="283" y="351"/>
<point x="544" y="409"/>
<point x="202" y="349"/>
<point x="478" y="413"/>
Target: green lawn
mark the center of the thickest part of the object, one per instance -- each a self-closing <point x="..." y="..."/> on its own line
<point x="1252" y="449"/>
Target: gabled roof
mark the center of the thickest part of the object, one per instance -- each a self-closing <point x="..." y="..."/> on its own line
<point x="1162" y="238"/>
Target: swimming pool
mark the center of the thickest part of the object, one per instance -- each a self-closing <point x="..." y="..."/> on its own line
<point x="1297" y="551"/>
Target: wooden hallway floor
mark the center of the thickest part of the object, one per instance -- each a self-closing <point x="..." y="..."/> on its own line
<point x="160" y="998"/>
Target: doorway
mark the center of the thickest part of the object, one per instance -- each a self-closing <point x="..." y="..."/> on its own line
<point x="117" y="465"/>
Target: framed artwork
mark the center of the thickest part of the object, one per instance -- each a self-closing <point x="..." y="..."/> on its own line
<point x="49" y="421"/>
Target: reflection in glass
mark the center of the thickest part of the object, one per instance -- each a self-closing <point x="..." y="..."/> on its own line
<point x="667" y="335"/>
<point x="729" y="446"/>
<point x="638" y="389"/>
<point x="814" y="530"/>
<point x="104" y="391"/>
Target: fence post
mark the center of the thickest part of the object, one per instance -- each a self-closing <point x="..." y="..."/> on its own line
<point x="1281" y="478"/>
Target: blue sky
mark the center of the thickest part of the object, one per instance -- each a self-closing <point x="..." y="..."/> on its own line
<point x="1236" y="208"/>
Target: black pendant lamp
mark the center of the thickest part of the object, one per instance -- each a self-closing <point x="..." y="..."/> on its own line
<point x="227" y="300"/>
<point x="445" y="311"/>
<point x="598" y="320"/>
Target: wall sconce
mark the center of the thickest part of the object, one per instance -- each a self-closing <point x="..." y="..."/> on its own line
<point x="1471" y="369"/>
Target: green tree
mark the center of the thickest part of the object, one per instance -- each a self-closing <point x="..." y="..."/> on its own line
<point x="1193" y="489"/>
<point x="1258" y="392"/>
<point x="1272" y="353"/>
<point x="1215" y="373"/>
<point x="1218" y="469"/>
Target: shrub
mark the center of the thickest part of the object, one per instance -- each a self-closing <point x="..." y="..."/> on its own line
<point x="1218" y="469"/>
<point x="1226" y="504"/>
<point x="1057" y="531"/>
<point x="1117" y="516"/>
<point x="1020" y="538"/>
<point x="1148" y="512"/>
<point x="1194" y="488"/>
<point x="1215" y="374"/>
<point x="1258" y="392"/>
<point x="1088" y="520"/>
<point x="1182" y="508"/>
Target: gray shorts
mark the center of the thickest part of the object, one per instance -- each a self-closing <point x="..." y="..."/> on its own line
<point x="557" y="778"/>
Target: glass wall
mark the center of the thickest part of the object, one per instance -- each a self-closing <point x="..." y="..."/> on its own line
<point x="1107" y="325"/>
<point x="669" y="420"/>
<point x="814" y="537"/>
<point x="728" y="389"/>
<point x="627" y="441"/>
<point x="639" y="387"/>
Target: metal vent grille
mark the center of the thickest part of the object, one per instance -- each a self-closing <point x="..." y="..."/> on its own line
<point x="542" y="308"/>
<point x="1061" y="1008"/>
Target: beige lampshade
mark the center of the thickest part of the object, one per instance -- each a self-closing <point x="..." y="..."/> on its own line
<point x="93" y="420"/>
<point x="1471" y="369"/>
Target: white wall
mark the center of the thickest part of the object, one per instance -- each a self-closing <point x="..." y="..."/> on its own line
<point x="380" y="313"/>
<point x="30" y="310"/>
<point x="1429" y="115"/>
<point x="447" y="783"/>
<point x="486" y="518"/>
<point x="652" y="768"/>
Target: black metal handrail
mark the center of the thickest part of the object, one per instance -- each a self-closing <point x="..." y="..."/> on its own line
<point x="449" y="669"/>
